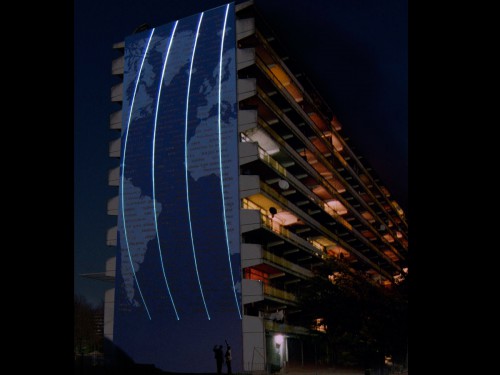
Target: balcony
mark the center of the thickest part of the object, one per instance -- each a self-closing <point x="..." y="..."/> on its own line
<point x="253" y="255"/>
<point x="333" y="207"/>
<point x="115" y="120"/>
<point x="252" y="219"/>
<point x="276" y="73"/>
<point x="117" y="66"/>
<point x="255" y="290"/>
<point x="272" y="326"/>
<point x="332" y="211"/>
<point x="114" y="148"/>
<point x="112" y="235"/>
<point x="114" y="176"/>
<point x="274" y="293"/>
<point x="119" y="45"/>
<point x="247" y="119"/>
<point x="246" y="88"/>
<point x="117" y="92"/>
<point x="113" y="206"/>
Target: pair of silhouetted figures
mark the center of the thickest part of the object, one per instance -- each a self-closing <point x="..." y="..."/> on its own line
<point x="220" y="356"/>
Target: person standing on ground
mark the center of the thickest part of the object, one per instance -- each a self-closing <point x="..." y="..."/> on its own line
<point x="219" y="358"/>
<point x="228" y="359"/>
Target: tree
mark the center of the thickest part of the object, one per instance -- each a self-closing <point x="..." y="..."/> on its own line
<point x="364" y="321"/>
<point x="86" y="336"/>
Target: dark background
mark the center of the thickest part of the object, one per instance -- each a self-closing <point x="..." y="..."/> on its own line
<point x="355" y="52"/>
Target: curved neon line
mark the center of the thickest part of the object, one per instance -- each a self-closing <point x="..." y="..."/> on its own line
<point x="220" y="164"/>
<point x="186" y="165"/>
<point x="153" y="167"/>
<point x="123" y="174"/>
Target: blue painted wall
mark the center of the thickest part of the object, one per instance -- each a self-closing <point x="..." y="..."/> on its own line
<point x="178" y="284"/>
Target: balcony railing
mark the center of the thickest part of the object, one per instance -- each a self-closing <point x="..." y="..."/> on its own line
<point x="267" y="159"/>
<point x="286" y="264"/>
<point x="265" y="69"/>
<point x="280" y="229"/>
<point x="335" y="130"/>
<point x="292" y="237"/>
<point x="278" y="293"/>
<point x="274" y="194"/>
<point x="270" y="325"/>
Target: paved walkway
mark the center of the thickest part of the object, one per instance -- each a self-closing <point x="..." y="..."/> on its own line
<point x="329" y="371"/>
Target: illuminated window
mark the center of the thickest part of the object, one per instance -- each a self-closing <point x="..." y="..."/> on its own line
<point x="319" y="326"/>
<point x="334" y="276"/>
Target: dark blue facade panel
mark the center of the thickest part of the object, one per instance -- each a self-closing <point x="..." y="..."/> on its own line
<point x="178" y="284"/>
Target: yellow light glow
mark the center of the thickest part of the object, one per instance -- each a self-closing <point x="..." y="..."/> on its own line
<point x="398" y="208"/>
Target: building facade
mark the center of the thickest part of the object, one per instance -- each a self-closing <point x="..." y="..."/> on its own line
<point x="235" y="183"/>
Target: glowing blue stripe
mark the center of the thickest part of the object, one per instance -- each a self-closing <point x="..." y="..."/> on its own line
<point x="220" y="164"/>
<point x="153" y="166"/>
<point x="123" y="174"/>
<point x="186" y="164"/>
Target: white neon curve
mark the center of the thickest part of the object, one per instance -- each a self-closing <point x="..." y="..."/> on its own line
<point x="153" y="166"/>
<point x="220" y="164"/>
<point x="186" y="165"/>
<point x="123" y="174"/>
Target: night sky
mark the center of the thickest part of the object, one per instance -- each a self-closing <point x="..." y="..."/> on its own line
<point x="355" y="52"/>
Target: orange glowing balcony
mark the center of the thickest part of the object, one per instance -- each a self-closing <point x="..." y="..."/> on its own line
<point x="286" y="81"/>
<point x="337" y="206"/>
<point x="320" y="145"/>
<point x="391" y="255"/>
<point x="368" y="234"/>
<point x="334" y="181"/>
<point x="320" y="123"/>
<point x="258" y="217"/>
<point x="256" y="290"/>
<point x="368" y="216"/>
<point x="364" y="178"/>
<point x="389" y="238"/>
<point x="321" y="192"/>
<point x="268" y="265"/>
<point x="336" y="143"/>
<point x="335" y="123"/>
<point x="398" y="208"/>
<point x="252" y="273"/>
<point x="385" y="191"/>
<point x="338" y="251"/>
